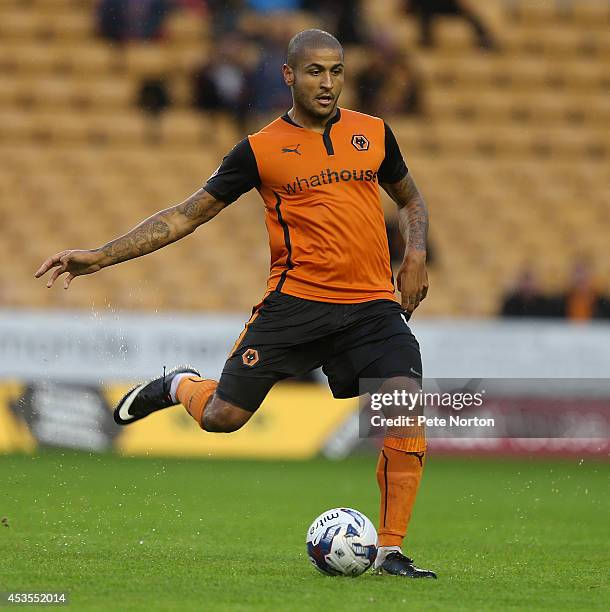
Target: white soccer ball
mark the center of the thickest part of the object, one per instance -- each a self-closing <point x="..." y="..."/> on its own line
<point x="342" y="542"/>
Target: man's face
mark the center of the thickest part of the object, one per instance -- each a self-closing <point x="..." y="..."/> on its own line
<point x="316" y="81"/>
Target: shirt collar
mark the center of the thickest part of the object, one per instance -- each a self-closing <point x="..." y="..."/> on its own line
<point x="336" y="117"/>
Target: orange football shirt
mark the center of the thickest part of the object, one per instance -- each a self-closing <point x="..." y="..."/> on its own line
<point x="323" y="211"/>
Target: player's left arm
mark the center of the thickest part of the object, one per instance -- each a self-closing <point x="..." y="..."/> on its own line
<point x="412" y="277"/>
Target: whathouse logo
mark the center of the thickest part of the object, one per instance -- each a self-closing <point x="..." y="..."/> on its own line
<point x="327" y="177"/>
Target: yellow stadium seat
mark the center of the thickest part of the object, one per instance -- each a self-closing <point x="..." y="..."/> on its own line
<point x="70" y="24"/>
<point x="104" y="92"/>
<point x="453" y="35"/>
<point x="146" y="60"/>
<point x="523" y="72"/>
<point x="182" y="128"/>
<point x="544" y="11"/>
<point x="30" y="56"/>
<point x="94" y="60"/>
<point x="585" y="76"/>
<point x="185" y="28"/>
<point x="49" y="92"/>
<point x="592" y="13"/>
<point x="16" y="126"/>
<point x="10" y="92"/>
<point x="21" y="24"/>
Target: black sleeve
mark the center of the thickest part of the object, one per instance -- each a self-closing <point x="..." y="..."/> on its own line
<point x="237" y="174"/>
<point x="393" y="167"/>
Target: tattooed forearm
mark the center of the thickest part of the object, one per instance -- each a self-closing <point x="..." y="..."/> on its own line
<point x="413" y="223"/>
<point x="412" y="213"/>
<point x="149" y="236"/>
<point x="163" y="228"/>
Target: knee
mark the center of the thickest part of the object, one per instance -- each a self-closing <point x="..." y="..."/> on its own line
<point x="222" y="420"/>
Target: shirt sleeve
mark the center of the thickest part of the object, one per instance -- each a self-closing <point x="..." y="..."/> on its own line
<point x="393" y="167"/>
<point x="236" y="175"/>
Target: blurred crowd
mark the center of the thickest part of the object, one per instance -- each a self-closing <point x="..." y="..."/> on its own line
<point x="581" y="300"/>
<point x="242" y="77"/>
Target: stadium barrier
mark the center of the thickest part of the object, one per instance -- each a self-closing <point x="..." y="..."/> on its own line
<point x="61" y="373"/>
<point x="116" y="347"/>
<point x="296" y="421"/>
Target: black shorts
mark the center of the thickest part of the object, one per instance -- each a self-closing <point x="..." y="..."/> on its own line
<point x="289" y="336"/>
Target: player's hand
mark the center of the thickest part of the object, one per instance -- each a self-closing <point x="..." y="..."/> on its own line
<point x="72" y="263"/>
<point x="412" y="280"/>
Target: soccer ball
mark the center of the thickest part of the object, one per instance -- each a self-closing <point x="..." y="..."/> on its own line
<point x="342" y="542"/>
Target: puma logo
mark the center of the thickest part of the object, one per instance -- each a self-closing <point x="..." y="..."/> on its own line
<point x="420" y="457"/>
<point x="294" y="149"/>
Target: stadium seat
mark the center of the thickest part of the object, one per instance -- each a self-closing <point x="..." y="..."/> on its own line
<point x="70" y="25"/>
<point x="94" y="60"/>
<point x="19" y="24"/>
<point x="540" y="11"/>
<point x="453" y="34"/>
<point x="585" y="77"/>
<point x="147" y="60"/>
<point x="592" y="13"/>
<point x="104" y="93"/>
<point x="185" y="29"/>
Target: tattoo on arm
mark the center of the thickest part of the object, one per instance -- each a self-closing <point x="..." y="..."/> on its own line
<point x="147" y="237"/>
<point x="412" y="212"/>
<point x="163" y="228"/>
<point x="196" y="206"/>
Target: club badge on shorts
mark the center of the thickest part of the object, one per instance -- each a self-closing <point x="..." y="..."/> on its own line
<point x="250" y="357"/>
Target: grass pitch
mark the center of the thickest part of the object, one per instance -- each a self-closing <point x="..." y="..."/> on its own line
<point x="165" y="534"/>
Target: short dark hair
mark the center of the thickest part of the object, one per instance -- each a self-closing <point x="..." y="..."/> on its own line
<point x="310" y="39"/>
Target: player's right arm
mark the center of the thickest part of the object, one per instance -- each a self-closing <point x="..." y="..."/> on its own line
<point x="237" y="174"/>
<point x="153" y="233"/>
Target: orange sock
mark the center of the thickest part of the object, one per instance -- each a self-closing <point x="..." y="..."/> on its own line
<point x="411" y="439"/>
<point x="398" y="474"/>
<point x="193" y="393"/>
